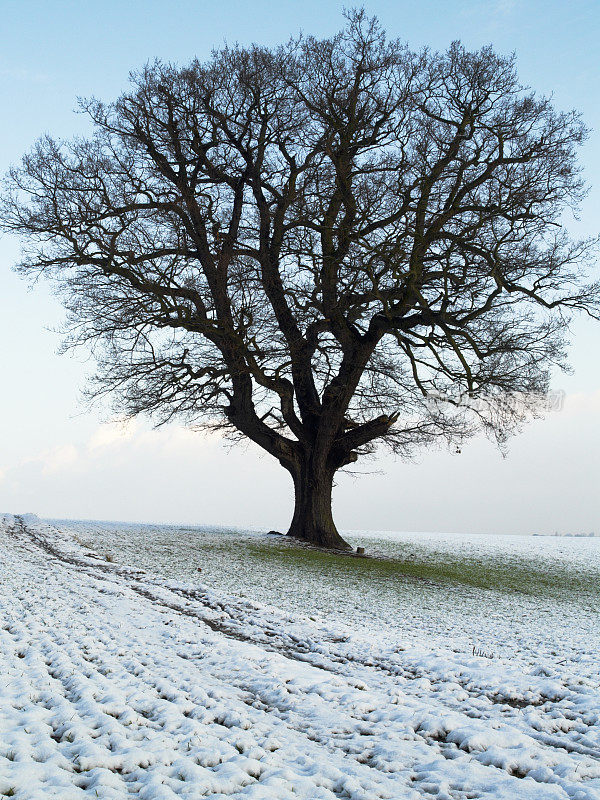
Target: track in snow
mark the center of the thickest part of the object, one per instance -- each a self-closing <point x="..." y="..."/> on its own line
<point x="118" y="684"/>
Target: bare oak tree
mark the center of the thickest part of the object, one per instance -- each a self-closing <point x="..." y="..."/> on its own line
<point x="306" y="244"/>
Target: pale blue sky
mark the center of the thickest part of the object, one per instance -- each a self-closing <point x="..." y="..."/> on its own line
<point x="58" y="460"/>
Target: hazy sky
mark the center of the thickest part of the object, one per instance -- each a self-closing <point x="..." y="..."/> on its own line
<point x="59" y="459"/>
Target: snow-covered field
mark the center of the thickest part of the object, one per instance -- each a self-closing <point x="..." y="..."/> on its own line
<point x="281" y="673"/>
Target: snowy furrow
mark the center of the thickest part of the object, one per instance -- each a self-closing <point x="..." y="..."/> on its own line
<point x="117" y="684"/>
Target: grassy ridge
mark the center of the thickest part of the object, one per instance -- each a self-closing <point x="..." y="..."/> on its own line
<point x="424" y="564"/>
<point x="242" y="561"/>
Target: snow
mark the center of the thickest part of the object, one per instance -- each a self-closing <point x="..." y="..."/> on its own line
<point x="158" y="682"/>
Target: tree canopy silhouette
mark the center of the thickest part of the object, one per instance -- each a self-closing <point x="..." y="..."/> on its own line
<point x="310" y="245"/>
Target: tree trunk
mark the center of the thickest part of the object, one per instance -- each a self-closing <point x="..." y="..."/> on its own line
<point x="313" y="519"/>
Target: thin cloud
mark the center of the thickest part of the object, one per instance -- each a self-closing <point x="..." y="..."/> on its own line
<point x="53" y="460"/>
<point x="111" y="434"/>
<point x="23" y="75"/>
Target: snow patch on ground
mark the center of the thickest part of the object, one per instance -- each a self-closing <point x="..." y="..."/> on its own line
<point x="119" y="683"/>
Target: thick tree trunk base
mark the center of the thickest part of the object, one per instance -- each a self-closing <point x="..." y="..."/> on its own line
<point x="318" y="535"/>
<point x="322" y="539"/>
<point x="313" y="519"/>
